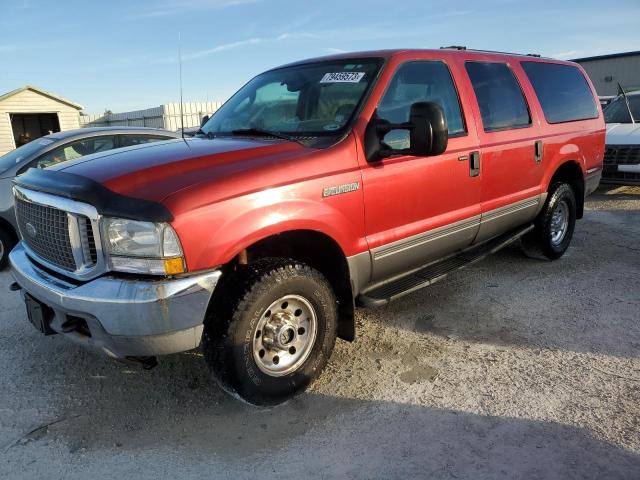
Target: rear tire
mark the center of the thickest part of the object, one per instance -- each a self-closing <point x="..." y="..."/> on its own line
<point x="554" y="226"/>
<point x="271" y="330"/>
<point x="7" y="242"/>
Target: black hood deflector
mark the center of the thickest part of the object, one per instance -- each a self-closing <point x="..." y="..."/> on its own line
<point x="83" y="189"/>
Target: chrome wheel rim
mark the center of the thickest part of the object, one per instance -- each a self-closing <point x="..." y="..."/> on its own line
<point x="559" y="222"/>
<point x="285" y="335"/>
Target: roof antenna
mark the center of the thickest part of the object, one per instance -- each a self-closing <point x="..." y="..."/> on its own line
<point x="180" y="83"/>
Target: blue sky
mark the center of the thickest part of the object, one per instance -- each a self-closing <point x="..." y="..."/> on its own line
<point x="122" y="55"/>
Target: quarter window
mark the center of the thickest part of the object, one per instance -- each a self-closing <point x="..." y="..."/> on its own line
<point x="428" y="81"/>
<point x="502" y="104"/>
<point x="563" y="92"/>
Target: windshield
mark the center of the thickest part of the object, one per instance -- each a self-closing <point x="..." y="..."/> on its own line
<point x="16" y="156"/>
<point x="617" y="111"/>
<point x="307" y="100"/>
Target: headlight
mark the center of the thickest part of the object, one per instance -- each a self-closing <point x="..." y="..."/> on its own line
<point x="142" y="247"/>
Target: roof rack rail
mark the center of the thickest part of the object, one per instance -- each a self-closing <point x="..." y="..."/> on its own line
<point x="460" y="47"/>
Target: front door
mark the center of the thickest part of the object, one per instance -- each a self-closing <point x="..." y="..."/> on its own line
<point x="418" y="209"/>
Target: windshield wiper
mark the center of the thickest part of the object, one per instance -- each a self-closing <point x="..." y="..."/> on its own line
<point x="265" y="133"/>
<point x="209" y="135"/>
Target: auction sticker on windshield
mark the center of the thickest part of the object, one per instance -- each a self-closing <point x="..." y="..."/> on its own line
<point x="342" y="77"/>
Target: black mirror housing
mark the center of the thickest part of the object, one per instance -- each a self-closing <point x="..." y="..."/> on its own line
<point x="428" y="133"/>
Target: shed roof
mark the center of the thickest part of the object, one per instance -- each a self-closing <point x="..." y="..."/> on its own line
<point x="605" y="57"/>
<point x="41" y="92"/>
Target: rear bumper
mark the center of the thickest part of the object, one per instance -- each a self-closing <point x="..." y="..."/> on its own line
<point x="124" y="316"/>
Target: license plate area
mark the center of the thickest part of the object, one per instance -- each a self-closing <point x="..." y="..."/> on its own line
<point x="39" y="315"/>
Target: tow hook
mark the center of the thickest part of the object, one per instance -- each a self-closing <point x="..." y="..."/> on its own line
<point x="14" y="287"/>
<point x="147" y="363"/>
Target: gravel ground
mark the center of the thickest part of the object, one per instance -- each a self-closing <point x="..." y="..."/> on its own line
<point x="513" y="368"/>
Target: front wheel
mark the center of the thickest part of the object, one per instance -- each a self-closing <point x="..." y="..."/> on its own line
<point x="554" y="226"/>
<point x="273" y="331"/>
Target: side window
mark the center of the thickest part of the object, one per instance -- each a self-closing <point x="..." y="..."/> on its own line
<point x="74" y="150"/>
<point x="502" y="104"/>
<point x="424" y="81"/>
<point x="563" y="92"/>
<point x="130" y="140"/>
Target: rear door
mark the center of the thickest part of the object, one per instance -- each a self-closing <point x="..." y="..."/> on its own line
<point x="508" y="131"/>
<point x="418" y="209"/>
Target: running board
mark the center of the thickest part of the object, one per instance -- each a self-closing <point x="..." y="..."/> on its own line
<point x="425" y="276"/>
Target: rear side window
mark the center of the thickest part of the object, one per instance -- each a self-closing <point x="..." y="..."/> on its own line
<point x="73" y="150"/>
<point x="130" y="140"/>
<point x="563" y="92"/>
<point x="502" y="104"/>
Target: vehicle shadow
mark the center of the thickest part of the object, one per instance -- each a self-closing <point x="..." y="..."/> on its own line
<point x="111" y="415"/>
<point x="581" y="302"/>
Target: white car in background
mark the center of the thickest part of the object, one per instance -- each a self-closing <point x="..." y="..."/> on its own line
<point x="622" y="153"/>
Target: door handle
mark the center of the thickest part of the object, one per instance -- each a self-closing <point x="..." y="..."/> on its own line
<point x="474" y="164"/>
<point x="538" y="151"/>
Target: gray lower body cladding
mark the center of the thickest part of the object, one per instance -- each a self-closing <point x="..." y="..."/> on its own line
<point x="406" y="254"/>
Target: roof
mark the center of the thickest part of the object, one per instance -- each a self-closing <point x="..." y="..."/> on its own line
<point x="89" y="131"/>
<point x="605" y="57"/>
<point x="386" y="54"/>
<point x="41" y="92"/>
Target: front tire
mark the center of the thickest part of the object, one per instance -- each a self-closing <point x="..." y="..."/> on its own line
<point x="271" y="331"/>
<point x="554" y="226"/>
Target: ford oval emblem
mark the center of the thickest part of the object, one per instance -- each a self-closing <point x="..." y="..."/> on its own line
<point x="31" y="230"/>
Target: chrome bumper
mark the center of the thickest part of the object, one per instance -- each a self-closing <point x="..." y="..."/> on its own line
<point x="125" y="317"/>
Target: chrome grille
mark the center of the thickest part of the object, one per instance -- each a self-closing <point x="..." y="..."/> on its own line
<point x="622" y="155"/>
<point x="45" y="230"/>
<point x="61" y="234"/>
<point x="616" y="155"/>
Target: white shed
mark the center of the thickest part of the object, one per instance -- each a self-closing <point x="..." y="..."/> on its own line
<point x="29" y="112"/>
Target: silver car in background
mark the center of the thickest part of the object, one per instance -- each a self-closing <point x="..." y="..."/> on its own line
<point x="622" y="152"/>
<point x="57" y="148"/>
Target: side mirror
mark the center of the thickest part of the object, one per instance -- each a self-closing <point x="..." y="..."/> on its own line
<point x="427" y="131"/>
<point x="204" y="120"/>
<point x="430" y="133"/>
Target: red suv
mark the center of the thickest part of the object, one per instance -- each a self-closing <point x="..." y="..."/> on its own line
<point x="326" y="183"/>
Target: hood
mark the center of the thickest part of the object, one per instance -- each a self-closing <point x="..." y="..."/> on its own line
<point x="623" y="134"/>
<point x="155" y="171"/>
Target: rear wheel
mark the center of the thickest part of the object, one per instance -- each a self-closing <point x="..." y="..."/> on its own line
<point x="554" y="226"/>
<point x="272" y="331"/>
<point x="6" y="244"/>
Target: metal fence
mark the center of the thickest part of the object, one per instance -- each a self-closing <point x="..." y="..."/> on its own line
<point x="165" y="116"/>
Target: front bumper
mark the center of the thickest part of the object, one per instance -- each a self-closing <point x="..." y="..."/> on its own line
<point x="124" y="316"/>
